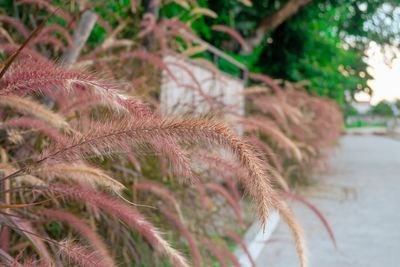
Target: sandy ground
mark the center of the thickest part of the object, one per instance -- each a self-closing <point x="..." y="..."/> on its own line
<point x="360" y="197"/>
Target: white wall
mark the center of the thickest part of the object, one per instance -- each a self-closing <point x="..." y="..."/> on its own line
<point x="225" y="91"/>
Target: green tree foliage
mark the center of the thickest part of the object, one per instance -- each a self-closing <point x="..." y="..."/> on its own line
<point x="349" y="110"/>
<point x="382" y="109"/>
<point x="323" y="43"/>
<point x="397" y="104"/>
<point x="308" y="47"/>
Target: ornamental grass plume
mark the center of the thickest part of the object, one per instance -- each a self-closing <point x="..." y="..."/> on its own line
<point x="31" y="235"/>
<point x="186" y="233"/>
<point x="129" y="215"/>
<point x="215" y="252"/>
<point x="229" y="255"/>
<point x="235" y="237"/>
<point x="80" y="172"/>
<point x="231" y="201"/>
<point x="16" y="24"/>
<point x="34" y="124"/>
<point x="161" y="191"/>
<point x="214" y="166"/>
<point x="50" y="8"/>
<point x="48" y="30"/>
<point x="101" y="140"/>
<point x="297" y="232"/>
<point x="30" y="77"/>
<point x="29" y="107"/>
<point x="80" y="255"/>
<point x="77" y="148"/>
<point x="92" y="237"/>
<point x="234" y="34"/>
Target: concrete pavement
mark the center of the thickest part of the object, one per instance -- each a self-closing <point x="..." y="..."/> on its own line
<point x="360" y="198"/>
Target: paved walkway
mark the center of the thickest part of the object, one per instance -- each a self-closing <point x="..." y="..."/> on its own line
<point x="360" y="197"/>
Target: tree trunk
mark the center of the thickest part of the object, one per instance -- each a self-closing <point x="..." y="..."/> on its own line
<point x="151" y="7"/>
<point x="81" y="34"/>
<point x="289" y="9"/>
<point x="272" y="21"/>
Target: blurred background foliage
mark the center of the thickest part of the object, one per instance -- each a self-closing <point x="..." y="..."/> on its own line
<point x="383" y="108"/>
<point x="324" y="43"/>
<point x="339" y="30"/>
<point x="312" y="45"/>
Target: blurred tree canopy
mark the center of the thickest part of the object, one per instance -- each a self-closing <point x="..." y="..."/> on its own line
<point x="322" y="41"/>
<point x="383" y="108"/>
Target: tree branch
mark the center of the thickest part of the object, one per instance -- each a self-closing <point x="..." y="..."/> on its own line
<point x="272" y="21"/>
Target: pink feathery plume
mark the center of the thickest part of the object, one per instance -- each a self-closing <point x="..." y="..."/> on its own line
<point x="136" y="83"/>
<point x="163" y="166"/>
<point x="198" y="87"/>
<point x="193" y="2"/>
<point x="268" y="127"/>
<point x="133" y="5"/>
<point x="185" y="232"/>
<point x="27" y="77"/>
<point x="12" y="262"/>
<point x="220" y="170"/>
<point x="176" y="28"/>
<point x="4" y="238"/>
<point x="30" y="123"/>
<point x="103" y="140"/>
<point x="52" y="40"/>
<point x="129" y="215"/>
<point x="234" y="34"/>
<point x="131" y="156"/>
<point x="81" y="255"/>
<point x="228" y="254"/>
<point x="50" y="8"/>
<point x="160" y="191"/>
<point x="16" y="24"/>
<point x="268" y="80"/>
<point x="235" y="237"/>
<point x="271" y="155"/>
<point x="35" y="239"/>
<point x="146" y="56"/>
<point x="177" y="25"/>
<point x="104" y="24"/>
<point x="316" y="211"/>
<point x="232" y="202"/>
<point x="214" y="251"/>
<point x="81" y="227"/>
<point x="26" y="53"/>
<point x="181" y="164"/>
<point x="6" y="35"/>
<point x="81" y="103"/>
<point x="272" y="106"/>
<point x="229" y="183"/>
<point x="46" y="30"/>
<point x="150" y="26"/>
